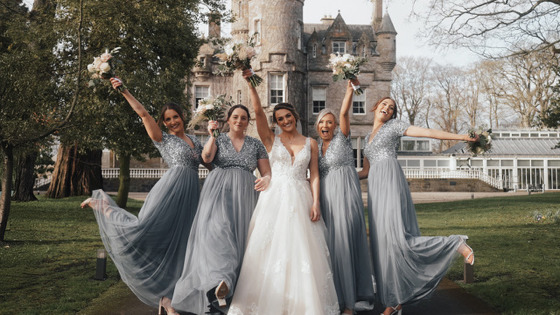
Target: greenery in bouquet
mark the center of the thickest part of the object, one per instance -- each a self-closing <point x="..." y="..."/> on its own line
<point x="484" y="142"/>
<point x="210" y="109"/>
<point x="347" y="67"/>
<point x="237" y="56"/>
<point x="103" y="67"/>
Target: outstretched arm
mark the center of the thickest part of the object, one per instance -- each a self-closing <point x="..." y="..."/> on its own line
<point x="154" y="132"/>
<point x="210" y="148"/>
<point x="345" y="108"/>
<point x="266" y="135"/>
<point x="414" y="131"/>
<point x="314" y="181"/>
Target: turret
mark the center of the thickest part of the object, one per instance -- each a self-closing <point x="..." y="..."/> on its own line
<point x="386" y="44"/>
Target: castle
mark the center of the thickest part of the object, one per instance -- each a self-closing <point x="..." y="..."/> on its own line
<point x="293" y="62"/>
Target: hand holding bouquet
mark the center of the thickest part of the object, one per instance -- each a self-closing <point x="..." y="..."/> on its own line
<point x="347" y="67"/>
<point x="102" y="68"/>
<point x="238" y="55"/>
<point x="484" y="142"/>
<point x="210" y="109"/>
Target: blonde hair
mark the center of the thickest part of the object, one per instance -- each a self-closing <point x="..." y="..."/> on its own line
<point x="323" y="113"/>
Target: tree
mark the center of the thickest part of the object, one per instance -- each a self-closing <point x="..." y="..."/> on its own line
<point x="551" y="117"/>
<point x="29" y="108"/>
<point x="412" y="79"/>
<point x="491" y="27"/>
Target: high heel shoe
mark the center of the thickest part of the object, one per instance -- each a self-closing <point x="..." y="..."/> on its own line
<point x="221" y="291"/>
<point x="469" y="255"/>
<point x="161" y="309"/>
<point x="85" y="203"/>
<point x="395" y="310"/>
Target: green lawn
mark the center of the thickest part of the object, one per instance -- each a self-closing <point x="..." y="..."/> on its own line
<point x="48" y="260"/>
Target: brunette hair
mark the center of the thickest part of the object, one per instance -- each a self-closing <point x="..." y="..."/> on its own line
<point x="387" y="98"/>
<point x="324" y="112"/>
<point x="171" y="106"/>
<point x="234" y="107"/>
<point x="287" y="106"/>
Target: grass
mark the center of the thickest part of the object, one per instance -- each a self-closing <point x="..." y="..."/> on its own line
<point x="48" y="260"/>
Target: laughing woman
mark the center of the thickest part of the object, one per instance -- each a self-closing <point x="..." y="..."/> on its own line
<point x="149" y="250"/>
<point x="343" y="208"/>
<point x="219" y="233"/>
<point x="407" y="266"/>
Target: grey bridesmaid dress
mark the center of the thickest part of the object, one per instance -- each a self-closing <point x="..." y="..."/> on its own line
<point x="149" y="250"/>
<point x="342" y="209"/>
<point x="219" y="233"/>
<point x="407" y="266"/>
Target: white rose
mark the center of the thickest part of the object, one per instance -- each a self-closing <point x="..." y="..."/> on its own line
<point x="105" y="57"/>
<point x="105" y="67"/>
<point x="91" y="68"/>
<point x="97" y="62"/>
<point x="209" y="107"/>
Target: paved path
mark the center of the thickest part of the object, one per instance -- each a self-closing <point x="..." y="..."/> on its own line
<point x="449" y="298"/>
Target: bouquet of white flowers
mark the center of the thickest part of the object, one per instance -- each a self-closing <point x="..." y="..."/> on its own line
<point x="102" y="68"/>
<point x="347" y="67"/>
<point x="484" y="142"/>
<point x="210" y="109"/>
<point x="238" y="55"/>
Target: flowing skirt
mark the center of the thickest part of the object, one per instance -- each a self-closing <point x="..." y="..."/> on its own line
<point x="286" y="269"/>
<point x="218" y="237"/>
<point x="149" y="250"/>
<point x="343" y="211"/>
<point x="407" y="266"/>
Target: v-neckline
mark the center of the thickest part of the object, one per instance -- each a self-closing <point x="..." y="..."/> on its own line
<point x="372" y="137"/>
<point x="295" y="154"/>
<point x="233" y="146"/>
<point x="183" y="140"/>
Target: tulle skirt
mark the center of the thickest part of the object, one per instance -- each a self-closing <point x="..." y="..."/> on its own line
<point x="218" y="238"/>
<point x="149" y="250"/>
<point x="407" y="266"/>
<point x="343" y="211"/>
<point x="286" y="269"/>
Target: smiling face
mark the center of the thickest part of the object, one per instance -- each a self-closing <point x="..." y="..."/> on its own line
<point x="173" y="121"/>
<point x="238" y="121"/>
<point x="285" y="120"/>
<point x="385" y="110"/>
<point x="326" y="127"/>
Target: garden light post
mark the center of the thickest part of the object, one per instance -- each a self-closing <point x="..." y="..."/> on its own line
<point x="101" y="264"/>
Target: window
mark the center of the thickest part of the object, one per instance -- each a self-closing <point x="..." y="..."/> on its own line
<point x="298" y="36"/>
<point x="314" y="51"/>
<point x="359" y="104"/>
<point x="257" y="33"/>
<point x="357" y="147"/>
<point x="422" y="145"/>
<point x="407" y="145"/>
<point x="339" y="47"/>
<point x="319" y="99"/>
<point x="354" y="48"/>
<point x="239" y="97"/>
<point x="276" y="88"/>
<point x="364" y="51"/>
<point x="200" y="93"/>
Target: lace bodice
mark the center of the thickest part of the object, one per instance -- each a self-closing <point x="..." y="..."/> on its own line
<point x="227" y="157"/>
<point x="176" y="152"/>
<point x="385" y="143"/>
<point x="281" y="160"/>
<point x="338" y="154"/>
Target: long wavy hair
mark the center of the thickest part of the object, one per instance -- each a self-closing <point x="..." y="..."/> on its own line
<point x="387" y="98"/>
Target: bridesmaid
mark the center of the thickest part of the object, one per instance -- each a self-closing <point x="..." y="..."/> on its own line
<point x="219" y="234"/>
<point x="149" y="250"/>
<point x="407" y="266"/>
<point x="343" y="208"/>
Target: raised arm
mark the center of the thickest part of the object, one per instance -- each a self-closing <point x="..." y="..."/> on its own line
<point x="345" y="108"/>
<point x="315" y="213"/>
<point x="414" y="131"/>
<point x="210" y="148"/>
<point x="266" y="135"/>
<point x="154" y="132"/>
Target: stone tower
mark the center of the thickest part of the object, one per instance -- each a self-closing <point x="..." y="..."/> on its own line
<point x="277" y="29"/>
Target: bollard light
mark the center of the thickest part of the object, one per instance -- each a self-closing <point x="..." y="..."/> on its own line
<point x="101" y="264"/>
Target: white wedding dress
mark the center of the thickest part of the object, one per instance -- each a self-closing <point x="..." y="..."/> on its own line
<point x="286" y="268"/>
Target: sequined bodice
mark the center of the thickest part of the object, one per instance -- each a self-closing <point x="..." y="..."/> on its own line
<point x="338" y="154"/>
<point x="246" y="159"/>
<point x="385" y="143"/>
<point x="281" y="161"/>
<point x="176" y="152"/>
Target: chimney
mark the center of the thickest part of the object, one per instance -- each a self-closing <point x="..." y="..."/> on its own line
<point x="327" y="20"/>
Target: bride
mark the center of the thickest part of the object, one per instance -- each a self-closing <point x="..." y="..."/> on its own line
<point x="286" y="265"/>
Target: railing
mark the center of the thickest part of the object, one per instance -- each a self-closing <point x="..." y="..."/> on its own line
<point x="42" y="181"/>
<point x="471" y="174"/>
<point x="145" y="172"/>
